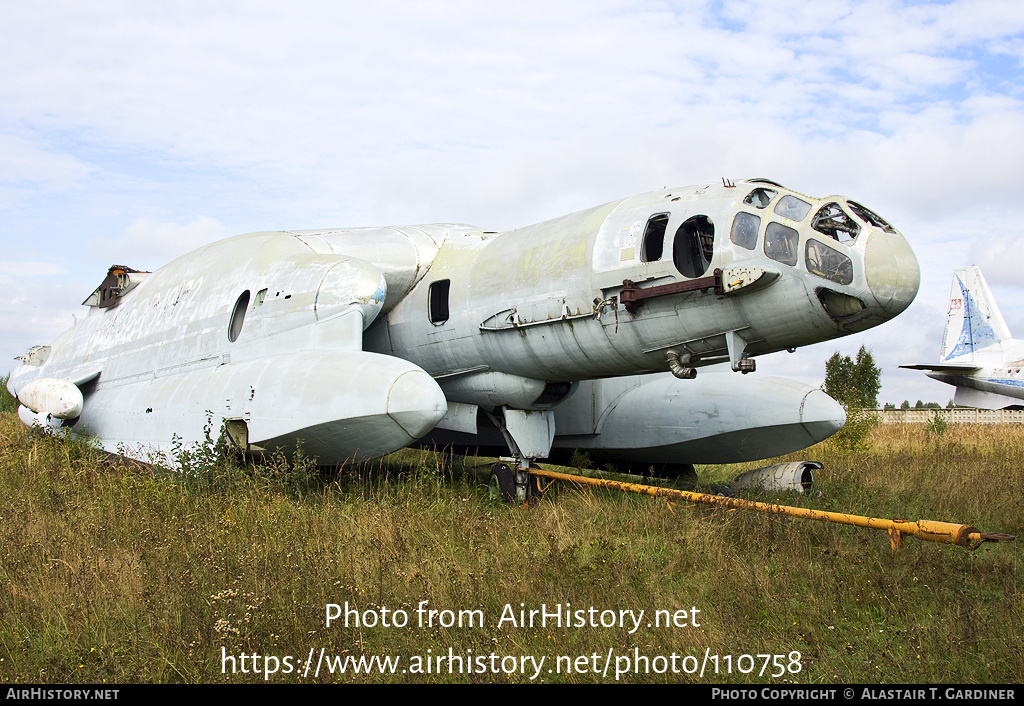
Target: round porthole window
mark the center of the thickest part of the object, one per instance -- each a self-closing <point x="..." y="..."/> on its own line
<point x="238" y="316"/>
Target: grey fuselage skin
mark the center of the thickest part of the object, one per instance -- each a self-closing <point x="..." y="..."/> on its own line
<point x="361" y="341"/>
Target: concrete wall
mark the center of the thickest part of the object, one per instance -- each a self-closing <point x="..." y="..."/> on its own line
<point x="953" y="416"/>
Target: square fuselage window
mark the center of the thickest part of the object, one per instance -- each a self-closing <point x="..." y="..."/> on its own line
<point x="437" y="304"/>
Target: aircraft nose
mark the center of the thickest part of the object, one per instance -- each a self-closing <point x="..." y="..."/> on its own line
<point x="891" y="270"/>
<point x="821" y="415"/>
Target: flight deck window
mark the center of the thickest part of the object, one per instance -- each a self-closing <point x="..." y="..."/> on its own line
<point x="760" y="197"/>
<point x="437" y="301"/>
<point x="694" y="246"/>
<point x="833" y="221"/>
<point x="780" y="243"/>
<point x="654" y="238"/>
<point x="827" y="262"/>
<point x="744" y="230"/>
<point x="792" y="208"/>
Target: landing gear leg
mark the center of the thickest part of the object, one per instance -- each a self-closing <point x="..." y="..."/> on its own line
<point x="511" y="486"/>
<point x="529" y="435"/>
<point x="737" y="353"/>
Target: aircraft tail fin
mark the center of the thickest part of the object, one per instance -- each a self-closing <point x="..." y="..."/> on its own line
<point x="973" y="322"/>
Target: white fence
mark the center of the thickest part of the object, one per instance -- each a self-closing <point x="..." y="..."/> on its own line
<point x="953" y="416"/>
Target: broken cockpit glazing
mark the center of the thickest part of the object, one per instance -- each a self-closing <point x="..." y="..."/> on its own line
<point x="832" y="219"/>
<point x="760" y="197"/>
<point x="870" y="217"/>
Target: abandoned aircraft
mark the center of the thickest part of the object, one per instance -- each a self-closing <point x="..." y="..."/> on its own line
<point x="361" y="341"/>
<point x="979" y="356"/>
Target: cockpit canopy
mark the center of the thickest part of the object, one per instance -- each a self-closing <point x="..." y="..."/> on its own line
<point x="839" y="221"/>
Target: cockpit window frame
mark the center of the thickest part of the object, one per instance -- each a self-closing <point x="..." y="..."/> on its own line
<point x="824" y="260"/>
<point x="744" y="231"/>
<point x="782" y="243"/>
<point x="792" y="208"/>
<point x="832" y="221"/>
<point x="760" y="197"/>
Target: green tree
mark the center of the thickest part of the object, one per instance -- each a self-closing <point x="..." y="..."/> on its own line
<point x="853" y="382"/>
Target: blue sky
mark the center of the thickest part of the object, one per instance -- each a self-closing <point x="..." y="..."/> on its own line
<point x="133" y="132"/>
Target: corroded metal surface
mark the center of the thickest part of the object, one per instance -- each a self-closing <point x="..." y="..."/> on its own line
<point x="357" y="340"/>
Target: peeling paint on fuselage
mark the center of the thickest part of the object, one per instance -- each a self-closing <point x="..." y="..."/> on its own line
<point x="296" y="314"/>
<point x="575" y="262"/>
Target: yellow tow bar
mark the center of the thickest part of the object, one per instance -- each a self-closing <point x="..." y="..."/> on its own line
<point x="929" y="530"/>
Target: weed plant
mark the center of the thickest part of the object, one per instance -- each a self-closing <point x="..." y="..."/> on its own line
<point x="115" y="572"/>
<point x="936" y="425"/>
<point x="859" y="423"/>
<point x="8" y="403"/>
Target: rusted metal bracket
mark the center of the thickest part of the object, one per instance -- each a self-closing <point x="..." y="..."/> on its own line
<point x="928" y="530"/>
<point x="632" y="296"/>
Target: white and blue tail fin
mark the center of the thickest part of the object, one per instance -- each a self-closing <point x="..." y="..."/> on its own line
<point x="973" y="323"/>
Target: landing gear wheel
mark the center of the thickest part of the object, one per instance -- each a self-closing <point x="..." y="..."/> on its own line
<point x="502" y="484"/>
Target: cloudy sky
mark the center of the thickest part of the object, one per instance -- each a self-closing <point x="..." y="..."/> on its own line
<point x="133" y="132"/>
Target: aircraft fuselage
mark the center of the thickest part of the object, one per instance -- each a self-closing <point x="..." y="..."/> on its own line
<point x="544" y="302"/>
<point x="360" y="340"/>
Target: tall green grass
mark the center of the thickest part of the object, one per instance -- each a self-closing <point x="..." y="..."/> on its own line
<point x="111" y="572"/>
<point x="8" y="403"/>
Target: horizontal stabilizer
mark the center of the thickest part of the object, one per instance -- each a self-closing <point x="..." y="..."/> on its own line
<point x="952" y="368"/>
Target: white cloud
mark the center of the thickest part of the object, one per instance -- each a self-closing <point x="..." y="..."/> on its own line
<point x="152" y="245"/>
<point x="261" y="115"/>
<point x="31" y="269"/>
<point x="34" y="312"/>
<point x="1000" y="257"/>
<point x="29" y="166"/>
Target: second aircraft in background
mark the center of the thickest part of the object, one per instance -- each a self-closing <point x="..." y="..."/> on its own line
<point x="979" y="356"/>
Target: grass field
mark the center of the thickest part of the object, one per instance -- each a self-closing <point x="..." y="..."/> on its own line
<point x="112" y="574"/>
